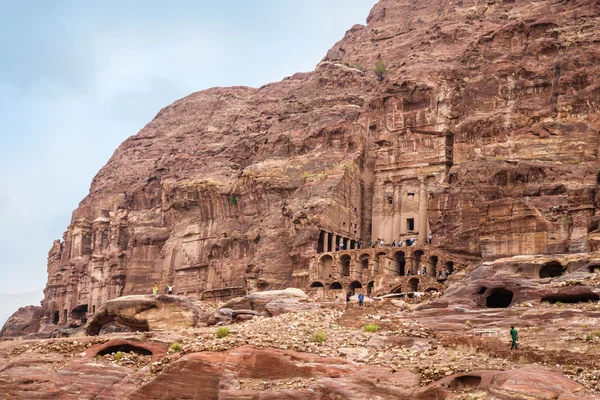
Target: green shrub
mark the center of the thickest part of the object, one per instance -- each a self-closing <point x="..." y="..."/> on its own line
<point x="222" y="332"/>
<point x="371" y="328"/>
<point x="319" y="337"/>
<point x="175" y="346"/>
<point x="468" y="323"/>
<point x="118" y="355"/>
<point x="597" y="334"/>
<point x="588" y="337"/>
<point x="380" y="70"/>
<point x="559" y="303"/>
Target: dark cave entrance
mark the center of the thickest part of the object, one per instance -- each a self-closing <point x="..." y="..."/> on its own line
<point x="345" y="264"/>
<point x="499" y="298"/>
<point x="80" y="312"/>
<point x="594" y="269"/>
<point x="353" y="286"/>
<point x="413" y="284"/>
<point x="551" y="270"/>
<point x="125" y="348"/>
<point x="400" y="263"/>
<point x="56" y="317"/>
<point x="465" y="381"/>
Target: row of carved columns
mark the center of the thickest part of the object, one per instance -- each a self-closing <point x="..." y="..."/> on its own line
<point x="329" y="240"/>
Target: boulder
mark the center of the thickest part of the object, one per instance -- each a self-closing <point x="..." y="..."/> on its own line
<point x="257" y="301"/>
<point x="283" y="306"/>
<point x="148" y="312"/>
<point x="26" y="320"/>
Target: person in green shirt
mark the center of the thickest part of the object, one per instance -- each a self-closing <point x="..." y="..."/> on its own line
<point x="513" y="335"/>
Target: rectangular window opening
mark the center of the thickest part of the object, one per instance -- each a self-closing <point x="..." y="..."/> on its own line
<point x="410" y="224"/>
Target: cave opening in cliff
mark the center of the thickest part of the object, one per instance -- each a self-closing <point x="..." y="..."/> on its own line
<point x="431" y="290"/>
<point x="370" y="288"/>
<point x="355" y="285"/>
<point x="413" y="284"/>
<point x="80" y="312"/>
<point x="124" y="348"/>
<point x="325" y="266"/>
<point x="400" y="263"/>
<point x="450" y="267"/>
<point x="432" y="266"/>
<point x="462" y="382"/>
<point x="316" y="285"/>
<point x="594" y="268"/>
<point x="499" y="298"/>
<point x="335" y="285"/>
<point x="345" y="265"/>
<point x="551" y="270"/>
<point x="571" y="298"/>
<point x="56" y="317"/>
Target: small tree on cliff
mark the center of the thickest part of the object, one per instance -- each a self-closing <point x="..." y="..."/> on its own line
<point x="380" y="70"/>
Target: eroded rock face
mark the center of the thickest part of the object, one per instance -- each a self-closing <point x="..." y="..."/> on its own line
<point x="486" y="124"/>
<point x="24" y="321"/>
<point x="230" y="375"/>
<point x="526" y="279"/>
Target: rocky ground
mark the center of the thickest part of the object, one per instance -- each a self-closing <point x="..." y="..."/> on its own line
<point x="568" y="342"/>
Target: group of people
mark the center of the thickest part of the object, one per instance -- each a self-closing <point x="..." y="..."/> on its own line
<point x="155" y="289"/>
<point x="409" y="242"/>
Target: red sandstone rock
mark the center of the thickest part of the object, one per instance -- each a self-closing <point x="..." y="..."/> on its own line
<point x="484" y="132"/>
<point x="149" y="312"/>
<point x="24" y="321"/>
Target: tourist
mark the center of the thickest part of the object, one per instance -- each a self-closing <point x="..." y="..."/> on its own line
<point x="440" y="275"/>
<point x="424" y="270"/>
<point x="370" y="244"/>
<point x="381" y="243"/>
<point x="513" y="335"/>
<point x="361" y="299"/>
<point x="360" y="244"/>
<point x="337" y="247"/>
<point x="169" y="289"/>
<point x="413" y="242"/>
<point x="155" y="288"/>
<point x="393" y="243"/>
<point x="408" y="242"/>
<point x="341" y="246"/>
<point x="430" y="238"/>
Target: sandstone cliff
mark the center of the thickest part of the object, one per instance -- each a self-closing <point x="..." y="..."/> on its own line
<point x="489" y="117"/>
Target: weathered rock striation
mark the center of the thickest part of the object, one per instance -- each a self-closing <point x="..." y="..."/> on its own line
<point x="484" y="134"/>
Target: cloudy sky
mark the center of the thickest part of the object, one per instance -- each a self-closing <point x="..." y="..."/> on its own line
<point x="78" y="77"/>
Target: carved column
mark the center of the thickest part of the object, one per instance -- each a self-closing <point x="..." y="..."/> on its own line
<point x="422" y="214"/>
<point x="334" y="241"/>
<point x="408" y="266"/>
<point x="325" y="242"/>
<point x="397" y="220"/>
<point x="381" y="201"/>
